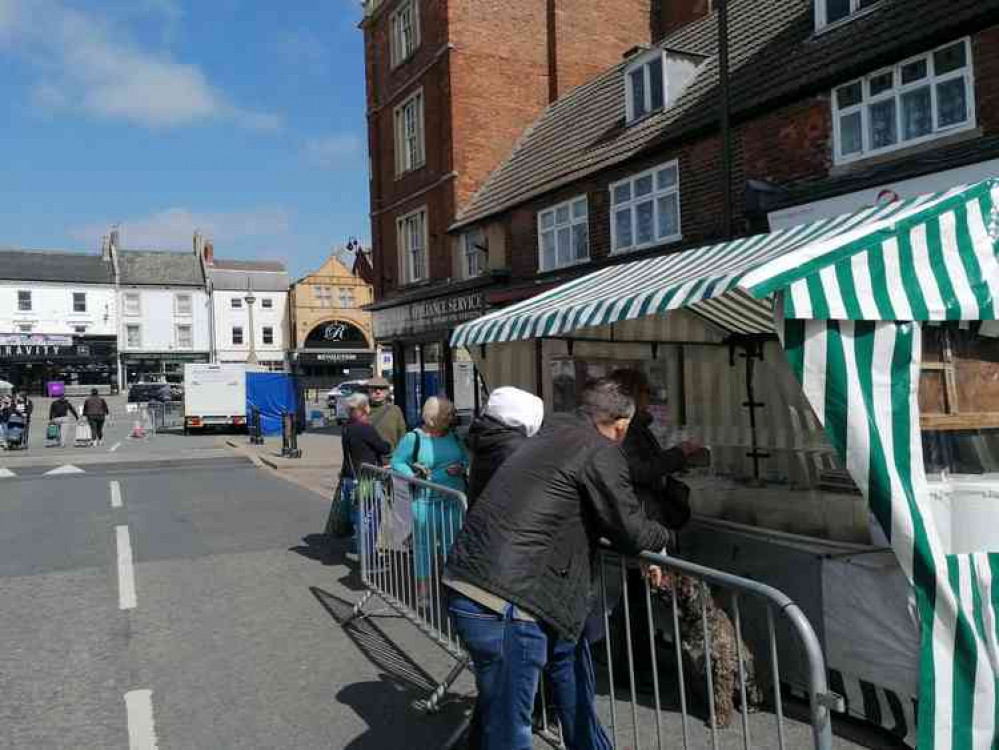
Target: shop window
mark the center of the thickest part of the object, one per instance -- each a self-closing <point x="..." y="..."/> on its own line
<point x="918" y="100"/>
<point x="832" y="11"/>
<point x="24" y="301"/>
<point x="236" y="303"/>
<point x="183" y="304"/>
<point x="404" y="25"/>
<point x="133" y="336"/>
<point x="474" y="253"/>
<point x="267" y="303"/>
<point x="237" y="335"/>
<point x="412" y="233"/>
<point x="185" y="337"/>
<point x="347" y="297"/>
<point x="324" y="295"/>
<point x="646" y="209"/>
<point x="132" y="304"/>
<point x="410" y="147"/>
<point x="79" y="302"/>
<point x="564" y="235"/>
<point x="268" y="335"/>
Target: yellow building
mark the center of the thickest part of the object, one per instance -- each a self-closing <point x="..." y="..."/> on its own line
<point x="331" y="332"/>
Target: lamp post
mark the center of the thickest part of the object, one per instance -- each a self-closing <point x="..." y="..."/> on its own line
<point x="250" y="300"/>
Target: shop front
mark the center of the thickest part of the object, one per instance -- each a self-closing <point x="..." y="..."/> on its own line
<point x="32" y="361"/>
<point x="334" y="351"/>
<point x="155" y="367"/>
<point x="424" y="364"/>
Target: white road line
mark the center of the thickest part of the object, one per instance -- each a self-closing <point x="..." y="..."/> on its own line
<point x="141" y="729"/>
<point x="126" y="574"/>
<point x="115" y="494"/>
<point x="114" y="447"/>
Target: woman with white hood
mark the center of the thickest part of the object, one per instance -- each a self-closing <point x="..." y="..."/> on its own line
<point x="511" y="417"/>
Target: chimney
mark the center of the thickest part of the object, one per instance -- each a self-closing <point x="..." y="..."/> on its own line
<point x="199" y="243"/>
<point x="114" y="240"/>
<point x="674" y="14"/>
<point x="105" y="248"/>
<point x="208" y="253"/>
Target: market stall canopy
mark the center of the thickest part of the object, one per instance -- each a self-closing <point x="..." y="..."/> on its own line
<point x="928" y="258"/>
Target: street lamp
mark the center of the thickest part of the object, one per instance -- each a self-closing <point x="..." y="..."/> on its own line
<point x="250" y="299"/>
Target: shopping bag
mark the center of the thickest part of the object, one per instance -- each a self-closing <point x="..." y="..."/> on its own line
<point x="397" y="516"/>
<point x="83" y="434"/>
<point x="339" y="523"/>
<point x="53" y="432"/>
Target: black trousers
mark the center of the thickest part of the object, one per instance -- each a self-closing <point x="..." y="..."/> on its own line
<point x="96" y="427"/>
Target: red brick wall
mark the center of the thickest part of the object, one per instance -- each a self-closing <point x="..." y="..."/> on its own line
<point x="670" y="15"/>
<point x="985" y="48"/>
<point x="790" y="143"/>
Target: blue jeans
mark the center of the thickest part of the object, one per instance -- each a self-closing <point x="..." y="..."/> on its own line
<point x="508" y="657"/>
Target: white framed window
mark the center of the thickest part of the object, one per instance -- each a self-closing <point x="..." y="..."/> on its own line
<point x="79" y="302"/>
<point x="183" y="304"/>
<point x="133" y="336"/>
<point x="645" y="87"/>
<point x="324" y="296"/>
<point x="832" y="11"/>
<point x="268" y="335"/>
<point x="24" y="300"/>
<point x="267" y="303"/>
<point x="409" y="138"/>
<point x="133" y="305"/>
<point x="404" y="26"/>
<point x="920" y="99"/>
<point x="346" y="297"/>
<point x="236" y="303"/>
<point x="185" y="337"/>
<point x="474" y="253"/>
<point x="412" y="234"/>
<point x="564" y="235"/>
<point x="645" y="209"/>
<point x="25" y="328"/>
<point x="237" y="335"/>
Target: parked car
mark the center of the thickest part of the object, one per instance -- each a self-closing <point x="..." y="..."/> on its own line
<point x="340" y="392"/>
<point x="141" y="393"/>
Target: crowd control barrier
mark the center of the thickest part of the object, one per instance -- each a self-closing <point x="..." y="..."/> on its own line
<point x="166" y="416"/>
<point x="708" y="639"/>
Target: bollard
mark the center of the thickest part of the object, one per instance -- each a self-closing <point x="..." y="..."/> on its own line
<point x="256" y="427"/>
<point x="289" y="437"/>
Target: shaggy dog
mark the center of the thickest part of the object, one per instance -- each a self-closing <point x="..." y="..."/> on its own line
<point x="691" y="596"/>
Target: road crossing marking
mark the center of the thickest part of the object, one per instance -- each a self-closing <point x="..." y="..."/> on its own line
<point x="114" y="447"/>
<point x="126" y="574"/>
<point x="141" y="729"/>
<point x="115" y="494"/>
<point x="65" y="469"/>
<point x="4" y="473"/>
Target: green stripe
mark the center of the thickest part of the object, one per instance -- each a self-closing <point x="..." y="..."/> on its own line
<point x="966" y="249"/>
<point x="879" y="283"/>
<point x="817" y="296"/>
<point x="910" y="282"/>
<point x="837" y="425"/>
<point x="939" y="268"/>
<point x="794" y="346"/>
<point x="965" y="666"/>
<point x="848" y="289"/>
<point x="878" y="473"/>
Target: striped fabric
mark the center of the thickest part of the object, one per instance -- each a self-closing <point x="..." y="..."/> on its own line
<point x="852" y="294"/>
<point x="929" y="258"/>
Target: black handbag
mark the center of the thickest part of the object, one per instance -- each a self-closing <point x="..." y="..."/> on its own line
<point x="673" y="508"/>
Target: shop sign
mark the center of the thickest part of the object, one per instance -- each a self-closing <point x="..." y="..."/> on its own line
<point x="334" y="357"/>
<point x="336" y="334"/>
<point x="425" y="316"/>
<point x="41" y="348"/>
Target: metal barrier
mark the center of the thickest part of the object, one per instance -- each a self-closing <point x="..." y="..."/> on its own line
<point x="256" y="427"/>
<point x="289" y="436"/>
<point x="167" y="415"/>
<point x="405" y="528"/>
<point x="722" y="629"/>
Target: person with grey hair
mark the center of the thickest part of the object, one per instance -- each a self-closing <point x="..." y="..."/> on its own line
<point x="361" y="445"/>
<point x="521" y="571"/>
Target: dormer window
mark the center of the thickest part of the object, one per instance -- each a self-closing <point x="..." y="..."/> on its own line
<point x="655" y="80"/>
<point x="832" y="11"/>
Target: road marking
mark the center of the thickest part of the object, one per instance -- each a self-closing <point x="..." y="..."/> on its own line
<point x="141" y="729"/>
<point x="6" y="473"/>
<point x="114" y="447"/>
<point x="115" y="494"/>
<point x="65" y="469"/>
<point x="126" y="574"/>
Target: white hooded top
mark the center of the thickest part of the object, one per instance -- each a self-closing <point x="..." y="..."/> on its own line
<point x="516" y="408"/>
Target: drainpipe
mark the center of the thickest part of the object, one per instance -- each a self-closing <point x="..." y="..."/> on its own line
<point x="726" y="129"/>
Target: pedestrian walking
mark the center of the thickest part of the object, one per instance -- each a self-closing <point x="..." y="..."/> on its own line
<point x="521" y="571"/>
<point x="510" y="417"/>
<point x="386" y="417"/>
<point x="435" y="454"/>
<point x="361" y="445"/>
<point x="6" y="407"/>
<point x="59" y="415"/>
<point x="95" y="410"/>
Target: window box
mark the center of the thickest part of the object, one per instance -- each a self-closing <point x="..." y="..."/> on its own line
<point x="564" y="235"/>
<point x="412" y="239"/>
<point x="645" y="209"/>
<point x="410" y="146"/>
<point x="404" y="30"/>
<point x="918" y="100"/>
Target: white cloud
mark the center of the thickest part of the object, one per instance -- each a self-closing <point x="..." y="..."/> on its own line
<point x="173" y="228"/>
<point x="335" y="149"/>
<point x="88" y="65"/>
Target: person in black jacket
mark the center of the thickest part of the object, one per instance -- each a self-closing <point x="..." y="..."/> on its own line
<point x="511" y="417"/>
<point x="361" y="445"/>
<point x="521" y="571"/>
<point x="59" y="413"/>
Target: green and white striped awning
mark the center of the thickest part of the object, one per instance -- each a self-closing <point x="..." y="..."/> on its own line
<point x="929" y="258"/>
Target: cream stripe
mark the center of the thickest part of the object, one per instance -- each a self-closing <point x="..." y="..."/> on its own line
<point x="893" y="275"/>
<point x="955" y="268"/>
<point x="860" y="270"/>
<point x="814" y="375"/>
<point x="834" y="298"/>
<point x="985" y="249"/>
<point x="937" y="310"/>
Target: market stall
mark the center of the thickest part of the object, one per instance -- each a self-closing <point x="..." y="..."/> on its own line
<point x="798" y="357"/>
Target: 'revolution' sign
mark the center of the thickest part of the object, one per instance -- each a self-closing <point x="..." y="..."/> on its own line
<point x="428" y="315"/>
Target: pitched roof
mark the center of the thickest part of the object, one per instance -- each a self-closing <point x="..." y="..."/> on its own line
<point x="775" y="56"/>
<point x="267" y="266"/>
<point x="145" y="267"/>
<point x="35" y="265"/>
<point x="240" y="280"/>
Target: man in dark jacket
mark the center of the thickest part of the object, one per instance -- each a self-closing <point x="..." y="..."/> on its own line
<point x="522" y="569"/>
<point x="59" y="414"/>
<point x="95" y="409"/>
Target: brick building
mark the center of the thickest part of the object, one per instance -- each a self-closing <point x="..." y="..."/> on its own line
<point x="451" y="87"/>
<point x="835" y="104"/>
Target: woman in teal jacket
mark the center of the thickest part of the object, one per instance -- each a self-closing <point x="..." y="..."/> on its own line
<point x="435" y="454"/>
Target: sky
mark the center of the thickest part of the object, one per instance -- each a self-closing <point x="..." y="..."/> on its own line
<point x="242" y="118"/>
